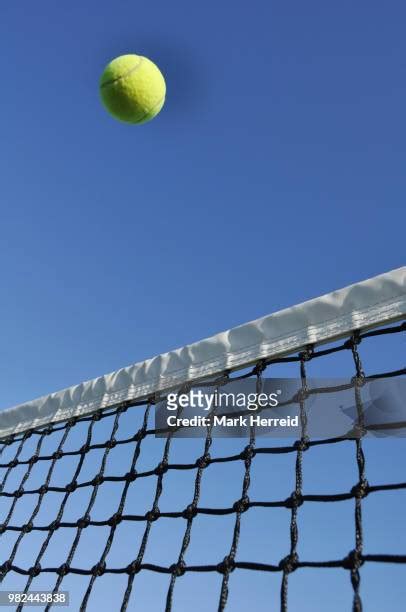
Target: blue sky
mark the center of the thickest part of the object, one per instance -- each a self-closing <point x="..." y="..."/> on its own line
<point x="275" y="173"/>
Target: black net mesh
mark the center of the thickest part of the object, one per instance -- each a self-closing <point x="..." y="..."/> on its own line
<point x="90" y="506"/>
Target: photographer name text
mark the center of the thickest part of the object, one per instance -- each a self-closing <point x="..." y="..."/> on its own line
<point x="239" y="421"/>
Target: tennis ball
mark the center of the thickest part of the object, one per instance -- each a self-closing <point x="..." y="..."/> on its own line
<point x="132" y="89"/>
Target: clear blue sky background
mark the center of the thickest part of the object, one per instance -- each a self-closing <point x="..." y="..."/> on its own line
<point x="275" y="173"/>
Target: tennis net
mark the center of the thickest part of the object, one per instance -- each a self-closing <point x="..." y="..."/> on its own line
<point x="94" y="502"/>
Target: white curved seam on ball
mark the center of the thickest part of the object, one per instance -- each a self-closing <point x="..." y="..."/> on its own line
<point x="123" y="76"/>
<point x="161" y="101"/>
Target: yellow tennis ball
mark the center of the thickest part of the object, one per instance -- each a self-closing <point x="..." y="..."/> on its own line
<point x="132" y="89"/>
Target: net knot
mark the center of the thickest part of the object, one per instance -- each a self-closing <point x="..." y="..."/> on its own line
<point x="72" y="421"/>
<point x="111" y="443"/>
<point x="5" y="568"/>
<point x="97" y="480"/>
<point x="259" y="368"/>
<point x="133" y="568"/>
<point x="63" y="569"/>
<point x="115" y="519"/>
<point x="85" y="449"/>
<point x="13" y="463"/>
<point x="48" y="430"/>
<point x="289" y="563"/>
<point x="356" y="337"/>
<point x="152" y="515"/>
<point x="307" y="354"/>
<point x="203" y="461"/>
<point x="294" y="501"/>
<point x="303" y="444"/>
<point x="241" y="505"/>
<point x="358" y="380"/>
<point x="19" y="493"/>
<point x="140" y="435"/>
<point x="57" y="455"/>
<point x="33" y="459"/>
<point x="248" y="453"/>
<point x="72" y="486"/>
<point x="226" y="566"/>
<point x="358" y="431"/>
<point x="8" y="441"/>
<point x="361" y="489"/>
<point x="354" y="341"/>
<point x="154" y="399"/>
<point x="99" y="569"/>
<point x="190" y="512"/>
<point x="161" y="468"/>
<point x="3" y="528"/>
<point x="54" y="525"/>
<point x="302" y="395"/>
<point x="43" y="489"/>
<point x="97" y="415"/>
<point x="131" y="476"/>
<point x="353" y="561"/>
<point x="178" y="569"/>
<point x="27" y="527"/>
<point x="83" y="522"/>
<point x="35" y="570"/>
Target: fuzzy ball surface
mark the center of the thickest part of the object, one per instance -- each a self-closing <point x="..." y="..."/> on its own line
<point x="132" y="89"/>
